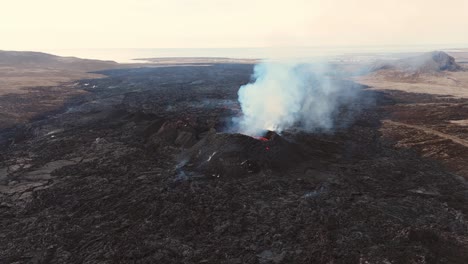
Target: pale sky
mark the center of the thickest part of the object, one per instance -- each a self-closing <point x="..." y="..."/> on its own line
<point x="61" y="24"/>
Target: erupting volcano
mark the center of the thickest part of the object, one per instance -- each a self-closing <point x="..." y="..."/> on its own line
<point x="283" y="96"/>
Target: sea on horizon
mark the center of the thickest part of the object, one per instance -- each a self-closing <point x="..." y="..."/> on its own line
<point x="129" y="55"/>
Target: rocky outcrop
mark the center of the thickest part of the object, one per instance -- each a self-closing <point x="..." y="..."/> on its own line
<point x="430" y="62"/>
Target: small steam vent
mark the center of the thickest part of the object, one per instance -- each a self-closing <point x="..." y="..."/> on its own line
<point x="237" y="155"/>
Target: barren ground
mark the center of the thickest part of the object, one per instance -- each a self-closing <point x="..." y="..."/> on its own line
<point x="430" y="113"/>
<point x="101" y="181"/>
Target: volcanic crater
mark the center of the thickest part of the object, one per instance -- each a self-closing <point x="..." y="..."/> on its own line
<point x="237" y="155"/>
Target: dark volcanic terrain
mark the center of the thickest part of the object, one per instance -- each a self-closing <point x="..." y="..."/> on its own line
<point x="139" y="169"/>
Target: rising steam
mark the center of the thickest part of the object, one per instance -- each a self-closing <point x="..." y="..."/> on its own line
<point x="283" y="95"/>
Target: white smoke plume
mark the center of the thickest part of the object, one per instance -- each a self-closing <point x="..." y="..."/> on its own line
<point x="283" y="95"/>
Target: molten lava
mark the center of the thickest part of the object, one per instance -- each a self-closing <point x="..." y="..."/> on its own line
<point x="267" y="137"/>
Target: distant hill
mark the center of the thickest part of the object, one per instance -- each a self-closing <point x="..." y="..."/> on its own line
<point x="29" y="59"/>
<point x="430" y="62"/>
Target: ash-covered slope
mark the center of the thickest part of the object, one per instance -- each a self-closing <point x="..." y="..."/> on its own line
<point x="34" y="83"/>
<point x="430" y="62"/>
